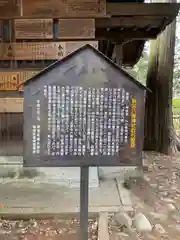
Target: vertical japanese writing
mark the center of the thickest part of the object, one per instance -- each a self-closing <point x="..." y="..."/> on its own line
<point x="86" y="122"/>
<point x="133" y="123"/>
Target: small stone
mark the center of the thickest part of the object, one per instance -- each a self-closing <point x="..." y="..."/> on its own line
<point x="165" y="194"/>
<point x="122" y="234"/>
<point x="159" y="228"/>
<point x="123" y="219"/>
<point x="146" y="178"/>
<point x="141" y="223"/>
<point x="171" y="207"/>
<point x="168" y="200"/>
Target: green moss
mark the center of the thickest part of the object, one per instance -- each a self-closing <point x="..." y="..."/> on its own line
<point x="176" y="106"/>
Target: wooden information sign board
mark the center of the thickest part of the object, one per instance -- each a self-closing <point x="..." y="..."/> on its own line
<point x="83" y="112"/>
<point x="76" y="29"/>
<point x="33" y="28"/>
<point x="82" y="99"/>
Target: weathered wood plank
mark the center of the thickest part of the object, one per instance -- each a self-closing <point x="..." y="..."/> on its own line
<point x="62" y="8"/>
<point x="120" y="36"/>
<point x="9" y="8"/>
<point x="33" y="28"/>
<point x="76" y="29"/>
<point x="32" y="51"/>
<point x="43" y="9"/>
<point x="10" y="81"/>
<point x="132" y="21"/>
<point x="11" y="105"/>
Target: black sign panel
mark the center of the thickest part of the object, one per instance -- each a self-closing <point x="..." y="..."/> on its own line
<point x="82" y="124"/>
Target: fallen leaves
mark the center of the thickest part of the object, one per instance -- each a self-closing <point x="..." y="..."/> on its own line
<point x="45" y="229"/>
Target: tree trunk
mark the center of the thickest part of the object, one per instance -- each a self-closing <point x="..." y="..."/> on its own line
<point x="158" y="111"/>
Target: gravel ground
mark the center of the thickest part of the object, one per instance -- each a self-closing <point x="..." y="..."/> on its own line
<point x="157" y="197"/>
<point x="45" y="229"/>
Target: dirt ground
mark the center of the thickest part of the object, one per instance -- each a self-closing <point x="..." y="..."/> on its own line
<point x="157" y="196"/>
<point x="44" y="230"/>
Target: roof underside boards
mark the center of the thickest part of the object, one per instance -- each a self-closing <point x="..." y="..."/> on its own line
<point x="131" y="24"/>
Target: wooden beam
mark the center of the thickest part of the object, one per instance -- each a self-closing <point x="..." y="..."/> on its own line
<point x="132" y="21"/>
<point x="142" y="9"/>
<point x="13" y="105"/>
<point x="121" y="36"/>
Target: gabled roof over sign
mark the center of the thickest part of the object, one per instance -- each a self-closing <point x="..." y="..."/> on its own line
<point x="95" y="51"/>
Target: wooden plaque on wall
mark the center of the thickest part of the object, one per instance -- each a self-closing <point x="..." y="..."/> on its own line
<point x="86" y="8"/>
<point x="33" y="28"/>
<point x="39" y="51"/>
<point x="63" y="8"/>
<point x="32" y="51"/>
<point x="10" y="81"/>
<point x="76" y="29"/>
